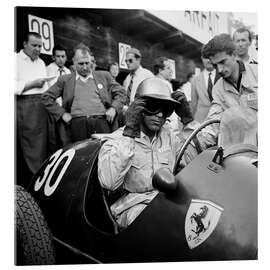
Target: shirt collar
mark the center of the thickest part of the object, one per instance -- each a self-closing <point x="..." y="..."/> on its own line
<point x="241" y="66"/>
<point x="242" y="69"/>
<point x="25" y="57"/>
<point x="136" y="71"/>
<point x="213" y="72"/>
<point x="78" y="76"/>
<point x="144" y="137"/>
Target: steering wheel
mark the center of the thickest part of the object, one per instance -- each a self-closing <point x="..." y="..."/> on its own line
<point x="193" y="137"/>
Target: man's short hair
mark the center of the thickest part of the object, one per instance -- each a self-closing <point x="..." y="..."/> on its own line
<point x="159" y="64"/>
<point x="112" y="64"/>
<point x="219" y="43"/>
<point x="58" y="48"/>
<point x="242" y="30"/>
<point x="28" y="34"/>
<point x="82" y="47"/>
<point x="134" y="51"/>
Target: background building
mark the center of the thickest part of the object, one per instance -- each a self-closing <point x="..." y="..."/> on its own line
<point x="178" y="35"/>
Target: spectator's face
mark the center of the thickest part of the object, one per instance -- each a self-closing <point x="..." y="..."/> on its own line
<point x="32" y="47"/>
<point x="167" y="71"/>
<point x="114" y="70"/>
<point x="207" y="64"/>
<point x="242" y="43"/>
<point x="226" y="64"/>
<point x="132" y="62"/>
<point x="60" y="58"/>
<point x="83" y="63"/>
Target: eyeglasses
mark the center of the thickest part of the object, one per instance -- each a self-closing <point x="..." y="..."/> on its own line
<point x="129" y="61"/>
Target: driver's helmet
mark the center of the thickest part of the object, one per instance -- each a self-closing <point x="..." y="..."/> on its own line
<point x="155" y="88"/>
<point x="157" y="95"/>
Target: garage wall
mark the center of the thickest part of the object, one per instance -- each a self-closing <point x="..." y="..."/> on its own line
<point x="72" y="26"/>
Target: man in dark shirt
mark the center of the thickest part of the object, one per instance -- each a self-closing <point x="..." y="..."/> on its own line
<point x="91" y="99"/>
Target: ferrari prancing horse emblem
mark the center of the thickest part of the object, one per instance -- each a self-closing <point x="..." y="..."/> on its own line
<point x="201" y="220"/>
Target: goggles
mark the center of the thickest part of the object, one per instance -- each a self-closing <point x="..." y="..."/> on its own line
<point x="154" y="106"/>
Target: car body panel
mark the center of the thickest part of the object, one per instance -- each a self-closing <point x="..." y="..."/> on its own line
<point x="77" y="215"/>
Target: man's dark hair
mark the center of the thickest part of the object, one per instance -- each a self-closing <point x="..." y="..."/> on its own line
<point x="112" y="64"/>
<point x="28" y="34"/>
<point x="219" y="43"/>
<point x="58" y="48"/>
<point x="242" y="30"/>
<point x="159" y="64"/>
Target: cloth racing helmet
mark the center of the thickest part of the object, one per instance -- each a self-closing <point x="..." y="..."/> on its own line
<point x="157" y="94"/>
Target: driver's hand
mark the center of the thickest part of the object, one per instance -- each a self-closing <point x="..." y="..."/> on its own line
<point x="182" y="109"/>
<point x="206" y="140"/>
<point x="133" y="118"/>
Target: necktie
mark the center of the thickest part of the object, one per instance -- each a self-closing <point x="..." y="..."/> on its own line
<point x="209" y="87"/>
<point x="130" y="87"/>
<point x="61" y="71"/>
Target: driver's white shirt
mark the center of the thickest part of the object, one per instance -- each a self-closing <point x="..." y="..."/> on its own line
<point x="131" y="163"/>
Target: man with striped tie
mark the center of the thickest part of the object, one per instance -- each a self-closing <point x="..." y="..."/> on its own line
<point x="136" y="76"/>
<point x="201" y="90"/>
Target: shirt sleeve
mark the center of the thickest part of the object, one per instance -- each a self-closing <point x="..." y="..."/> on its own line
<point x="19" y="84"/>
<point x="215" y="112"/>
<point x="194" y="98"/>
<point x="114" y="161"/>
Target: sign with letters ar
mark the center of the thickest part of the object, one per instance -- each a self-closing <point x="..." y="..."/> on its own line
<point x="45" y="29"/>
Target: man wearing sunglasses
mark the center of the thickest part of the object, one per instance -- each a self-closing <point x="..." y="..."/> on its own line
<point x="137" y="73"/>
<point x="163" y="70"/>
<point x="132" y="154"/>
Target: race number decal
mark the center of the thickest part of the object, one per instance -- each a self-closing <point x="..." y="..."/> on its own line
<point x="45" y="29"/>
<point x="201" y="220"/>
<point x="56" y="167"/>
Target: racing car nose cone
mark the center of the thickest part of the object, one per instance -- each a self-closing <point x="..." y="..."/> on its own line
<point x="164" y="181"/>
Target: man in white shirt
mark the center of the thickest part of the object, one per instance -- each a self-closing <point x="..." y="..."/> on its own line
<point x="31" y="116"/>
<point x="57" y="68"/>
<point x="163" y="70"/>
<point x="242" y="39"/>
<point x="137" y="73"/>
<point x="135" y="77"/>
<point x="201" y="90"/>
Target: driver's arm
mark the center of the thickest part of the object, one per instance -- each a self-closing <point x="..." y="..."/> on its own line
<point x="114" y="161"/>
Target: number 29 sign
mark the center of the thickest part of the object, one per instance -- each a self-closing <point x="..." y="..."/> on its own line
<point x="45" y="29"/>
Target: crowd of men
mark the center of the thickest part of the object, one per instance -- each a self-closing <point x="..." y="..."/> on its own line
<point x="145" y="119"/>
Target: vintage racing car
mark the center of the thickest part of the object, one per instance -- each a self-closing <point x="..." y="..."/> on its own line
<point x="208" y="213"/>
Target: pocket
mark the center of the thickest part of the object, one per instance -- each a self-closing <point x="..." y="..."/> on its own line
<point x="137" y="165"/>
<point x="165" y="158"/>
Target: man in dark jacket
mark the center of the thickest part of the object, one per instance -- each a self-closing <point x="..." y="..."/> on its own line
<point x="91" y="100"/>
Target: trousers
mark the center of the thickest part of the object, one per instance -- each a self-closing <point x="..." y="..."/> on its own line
<point x="83" y="127"/>
<point x="31" y="133"/>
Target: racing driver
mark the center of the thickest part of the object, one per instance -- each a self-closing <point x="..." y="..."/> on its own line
<point x="132" y="154"/>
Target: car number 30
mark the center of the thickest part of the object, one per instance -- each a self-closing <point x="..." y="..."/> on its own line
<point x="54" y="163"/>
